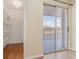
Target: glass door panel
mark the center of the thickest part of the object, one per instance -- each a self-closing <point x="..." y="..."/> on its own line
<point x="49" y="29"/>
<point x="64" y="27"/>
<point x="58" y="28"/>
<point x="49" y="34"/>
<point x="58" y="33"/>
<point x="61" y="28"/>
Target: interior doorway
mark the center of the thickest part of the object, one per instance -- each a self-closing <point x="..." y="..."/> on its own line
<point x="13" y="29"/>
<point x="54" y="29"/>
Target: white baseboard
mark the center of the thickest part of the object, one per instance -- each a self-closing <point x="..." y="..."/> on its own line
<point x="14" y="41"/>
<point x="5" y="42"/>
<point x="32" y="57"/>
<point x="72" y="49"/>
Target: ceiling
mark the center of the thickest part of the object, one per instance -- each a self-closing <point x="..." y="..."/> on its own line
<point x="13" y="4"/>
<point x="14" y="9"/>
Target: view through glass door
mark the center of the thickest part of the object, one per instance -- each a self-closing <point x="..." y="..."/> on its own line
<point x="49" y="34"/>
<point x="54" y="29"/>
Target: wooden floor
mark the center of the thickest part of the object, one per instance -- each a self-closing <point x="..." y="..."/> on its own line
<point x="15" y="51"/>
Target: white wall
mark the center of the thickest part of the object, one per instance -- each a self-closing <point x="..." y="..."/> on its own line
<point x="33" y="33"/>
<point x="6" y="30"/>
<point x="73" y="27"/>
<point x="13" y="26"/>
<point x="17" y="26"/>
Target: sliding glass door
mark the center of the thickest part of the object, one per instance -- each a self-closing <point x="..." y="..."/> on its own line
<point x="49" y="34"/>
<point x="54" y="29"/>
<point x="58" y="29"/>
<point x="49" y="29"/>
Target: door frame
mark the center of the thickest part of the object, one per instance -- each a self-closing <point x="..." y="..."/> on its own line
<point x="55" y="30"/>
